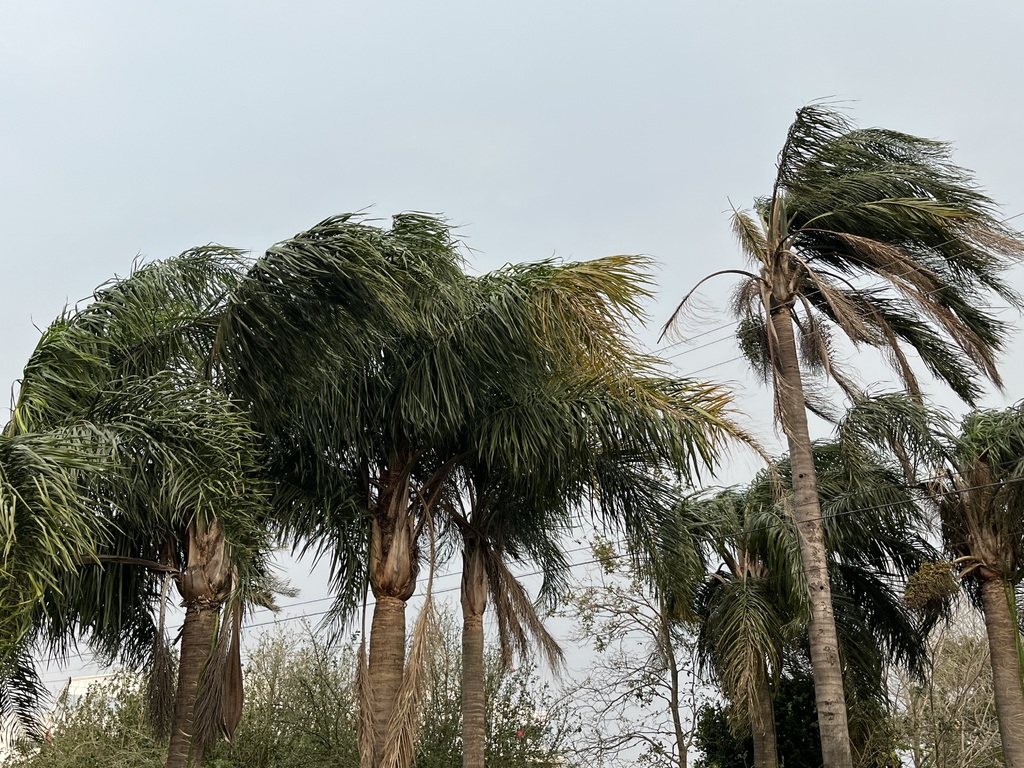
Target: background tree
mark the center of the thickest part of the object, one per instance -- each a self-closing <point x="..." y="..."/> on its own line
<point x="981" y="507"/>
<point x="724" y="743"/>
<point x="639" y="695"/>
<point x="880" y="236"/>
<point x="948" y="718"/>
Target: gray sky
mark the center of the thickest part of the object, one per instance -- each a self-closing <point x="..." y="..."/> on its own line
<point x="574" y="129"/>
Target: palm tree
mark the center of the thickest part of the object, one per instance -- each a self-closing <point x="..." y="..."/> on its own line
<point x="386" y="379"/>
<point x="880" y="236"/>
<point x="981" y="507"/>
<point x="496" y="534"/>
<point x="567" y="413"/>
<point x="343" y="342"/>
<point x="184" y="500"/>
<point x="753" y="608"/>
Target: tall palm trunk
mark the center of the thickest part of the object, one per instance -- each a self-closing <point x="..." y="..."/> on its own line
<point x="196" y="644"/>
<point x="474" y="603"/>
<point x="824" y="641"/>
<point x="386" y="666"/>
<point x="762" y="726"/>
<point x="393" y="570"/>
<point x="1006" y="681"/>
<point x="203" y="586"/>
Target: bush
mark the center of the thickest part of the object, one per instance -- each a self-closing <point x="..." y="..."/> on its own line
<point x="105" y="728"/>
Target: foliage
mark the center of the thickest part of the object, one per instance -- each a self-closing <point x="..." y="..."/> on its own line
<point x="525" y="723"/>
<point x="301" y="710"/>
<point x="300" y="706"/>
<point x="107" y="727"/>
<point x="639" y="693"/>
<point x="948" y="718"/>
<point x="723" y="745"/>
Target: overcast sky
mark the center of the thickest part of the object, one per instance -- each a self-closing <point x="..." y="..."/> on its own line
<point x="568" y="129"/>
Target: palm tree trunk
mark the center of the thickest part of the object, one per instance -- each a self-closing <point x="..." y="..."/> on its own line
<point x="393" y="571"/>
<point x="204" y="584"/>
<point x="824" y="642"/>
<point x="762" y="727"/>
<point x="197" y="637"/>
<point x="386" y="666"/>
<point x="1002" y="642"/>
<point x="474" y="603"/>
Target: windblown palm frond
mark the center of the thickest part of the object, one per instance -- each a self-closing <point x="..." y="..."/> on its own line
<point x="880" y="237"/>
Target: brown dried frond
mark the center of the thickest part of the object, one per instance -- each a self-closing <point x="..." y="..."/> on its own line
<point x="162" y="675"/>
<point x="517" y="617"/>
<point x="746" y="298"/>
<point x="815" y="344"/>
<point x="220" y="696"/>
<point x="160" y="688"/>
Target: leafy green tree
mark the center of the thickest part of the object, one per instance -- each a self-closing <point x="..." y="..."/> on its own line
<point x="183" y="499"/>
<point x="723" y="745"/>
<point x="879" y="236"/>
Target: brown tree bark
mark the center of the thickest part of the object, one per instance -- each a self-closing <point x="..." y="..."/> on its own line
<point x="762" y="727"/>
<point x="1006" y="679"/>
<point x="824" y="642"/>
<point x="204" y="585"/>
<point x="393" y="571"/>
<point x="474" y="603"/>
<point x="386" y="666"/>
<point x="197" y="636"/>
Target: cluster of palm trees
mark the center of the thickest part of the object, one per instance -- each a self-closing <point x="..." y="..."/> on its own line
<point x="356" y="393"/>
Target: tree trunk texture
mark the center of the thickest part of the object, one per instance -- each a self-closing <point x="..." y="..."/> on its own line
<point x="1006" y="681"/>
<point x="197" y="636"/>
<point x="762" y="727"/>
<point x="204" y="585"/>
<point x="393" y="570"/>
<point x="386" y="666"/>
<point x="474" y="603"/>
<point x="824" y="643"/>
